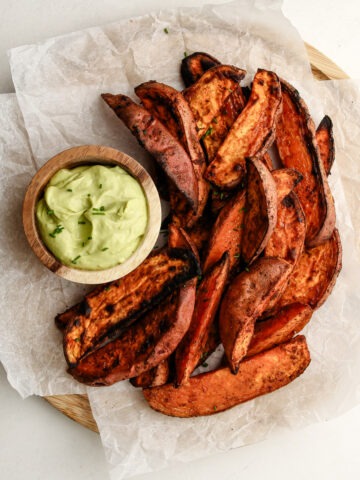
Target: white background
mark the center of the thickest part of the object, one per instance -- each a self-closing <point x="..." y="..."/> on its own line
<point x="38" y="442"/>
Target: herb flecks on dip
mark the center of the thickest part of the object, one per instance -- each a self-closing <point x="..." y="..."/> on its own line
<point x="92" y="217"/>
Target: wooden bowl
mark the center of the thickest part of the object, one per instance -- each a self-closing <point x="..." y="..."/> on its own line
<point x="86" y="155"/>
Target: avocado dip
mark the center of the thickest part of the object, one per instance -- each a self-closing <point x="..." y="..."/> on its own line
<point x="92" y="217"/>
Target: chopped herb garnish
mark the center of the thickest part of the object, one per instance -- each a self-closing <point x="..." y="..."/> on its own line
<point x="102" y="208"/>
<point x="105" y="248"/>
<point x="100" y="186"/>
<point x="50" y="212"/>
<point x="89" y="238"/>
<point x="208" y="132"/>
<point x="107" y="288"/>
<point x="222" y="195"/>
<point x="200" y="278"/>
<point x="98" y="213"/>
<point x="247" y="269"/>
<point x="74" y="260"/>
<point x="89" y="194"/>
<point x="56" y="231"/>
<point x="205" y="364"/>
<point x="244" y="209"/>
<point x="215" y="120"/>
<point x="77" y="339"/>
<point x="166" y="30"/>
<point x="83" y="244"/>
<point x="215" y="408"/>
<point x="237" y="255"/>
<point x="144" y="132"/>
<point x="68" y="190"/>
<point x="80" y="222"/>
<point x="185" y="54"/>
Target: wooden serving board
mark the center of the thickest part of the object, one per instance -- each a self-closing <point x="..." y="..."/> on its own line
<point x="77" y="407"/>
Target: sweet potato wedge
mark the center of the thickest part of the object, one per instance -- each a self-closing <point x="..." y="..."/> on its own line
<point x="252" y="133"/>
<point x="226" y="233"/>
<point x="178" y="238"/>
<point x="154" y="377"/>
<point x="221" y="124"/>
<point x="117" y="305"/>
<point x="195" y="65"/>
<point x="286" y="180"/>
<point x="280" y="328"/>
<point x="219" y="390"/>
<point x="208" y="297"/>
<point x="141" y="346"/>
<point x="208" y="94"/>
<point x="170" y="107"/>
<point x="326" y="144"/>
<point x="245" y="300"/>
<point x="288" y="237"/>
<point x="297" y="148"/>
<point x="260" y="210"/>
<point x="159" y="142"/>
<point x="315" y="274"/>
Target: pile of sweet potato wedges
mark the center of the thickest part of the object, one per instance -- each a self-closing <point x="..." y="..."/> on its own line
<point x="252" y="246"/>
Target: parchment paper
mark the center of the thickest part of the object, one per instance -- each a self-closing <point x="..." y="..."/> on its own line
<point x="58" y="83"/>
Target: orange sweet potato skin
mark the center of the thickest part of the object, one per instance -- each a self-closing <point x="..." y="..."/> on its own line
<point x="297" y="149"/>
<point x="245" y="300"/>
<point x="208" y="296"/>
<point x="219" y="390"/>
<point x="252" y="133"/>
<point x="260" y="212"/>
<point x="315" y="274"/>
<point x="143" y="345"/>
<point x="288" y="237"/>
<point x="159" y="142"/>
<point x="279" y="328"/>
<point x="326" y="143"/>
<point x="226" y="233"/>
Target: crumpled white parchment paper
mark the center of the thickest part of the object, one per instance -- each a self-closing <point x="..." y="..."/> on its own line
<point x="58" y="83"/>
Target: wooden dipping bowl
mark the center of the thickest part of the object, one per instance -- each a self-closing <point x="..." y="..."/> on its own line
<point x="87" y="155"/>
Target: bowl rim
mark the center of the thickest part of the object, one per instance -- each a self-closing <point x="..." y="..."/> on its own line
<point x="90" y="155"/>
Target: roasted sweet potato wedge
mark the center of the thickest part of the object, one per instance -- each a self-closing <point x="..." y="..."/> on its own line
<point x="219" y="390"/>
<point x="288" y="237"/>
<point x="252" y="133"/>
<point x="245" y="300"/>
<point x="297" y="148"/>
<point x="315" y="274"/>
<point x="208" y="297"/>
<point x="154" y="377"/>
<point x="170" y="107"/>
<point x="326" y="144"/>
<point x="208" y="94"/>
<point x="195" y="65"/>
<point x="117" y="305"/>
<point x="260" y="210"/>
<point x="221" y="124"/>
<point x="226" y="233"/>
<point x="178" y="238"/>
<point x="280" y="328"/>
<point x="286" y="180"/>
<point x="141" y="346"/>
<point x="159" y="142"/>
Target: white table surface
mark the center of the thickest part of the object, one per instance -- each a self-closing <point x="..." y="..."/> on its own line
<point x="38" y="442"/>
